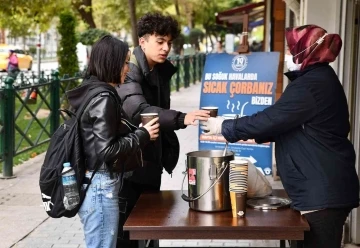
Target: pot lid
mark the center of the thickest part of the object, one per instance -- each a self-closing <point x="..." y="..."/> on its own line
<point x="268" y="202"/>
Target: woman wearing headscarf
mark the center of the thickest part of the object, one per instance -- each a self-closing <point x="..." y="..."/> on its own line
<point x="309" y="125"/>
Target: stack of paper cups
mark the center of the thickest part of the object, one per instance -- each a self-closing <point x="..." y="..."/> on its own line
<point x="238" y="185"/>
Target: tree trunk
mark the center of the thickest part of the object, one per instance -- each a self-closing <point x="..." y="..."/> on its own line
<point x="2" y="36"/>
<point x="132" y="8"/>
<point x="188" y="10"/>
<point x="84" y="7"/>
<point x="177" y="9"/>
<point x="24" y="43"/>
<point x="192" y="19"/>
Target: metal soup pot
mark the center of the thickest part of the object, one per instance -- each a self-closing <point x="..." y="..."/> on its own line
<point x="208" y="180"/>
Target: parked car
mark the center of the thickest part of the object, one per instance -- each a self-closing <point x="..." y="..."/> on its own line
<point x="25" y="60"/>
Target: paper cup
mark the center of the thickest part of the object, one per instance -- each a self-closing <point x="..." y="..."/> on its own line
<point x="238" y="170"/>
<point x="238" y="204"/>
<point x="145" y="118"/>
<point x="238" y="176"/>
<point x="213" y="110"/>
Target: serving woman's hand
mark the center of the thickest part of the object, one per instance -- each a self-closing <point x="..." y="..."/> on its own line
<point x="153" y="128"/>
<point x="212" y="125"/>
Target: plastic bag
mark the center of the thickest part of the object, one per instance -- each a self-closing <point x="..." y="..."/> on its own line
<point x="258" y="185"/>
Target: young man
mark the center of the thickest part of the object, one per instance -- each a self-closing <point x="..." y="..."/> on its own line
<point x="147" y="90"/>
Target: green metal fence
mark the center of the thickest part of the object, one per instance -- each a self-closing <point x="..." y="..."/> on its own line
<point x="29" y="114"/>
<point x="190" y="69"/>
<point x="27" y="122"/>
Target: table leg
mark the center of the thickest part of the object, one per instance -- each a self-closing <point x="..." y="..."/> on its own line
<point x="141" y="243"/>
<point x="148" y="243"/>
<point x="155" y="243"/>
<point x="282" y="244"/>
<point x="296" y="244"/>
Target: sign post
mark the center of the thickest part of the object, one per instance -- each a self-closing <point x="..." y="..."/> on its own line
<point x="240" y="85"/>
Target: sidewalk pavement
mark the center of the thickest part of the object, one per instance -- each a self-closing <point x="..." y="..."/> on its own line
<point x="24" y="222"/>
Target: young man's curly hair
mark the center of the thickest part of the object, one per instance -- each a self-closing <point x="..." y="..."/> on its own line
<point x="156" y="23"/>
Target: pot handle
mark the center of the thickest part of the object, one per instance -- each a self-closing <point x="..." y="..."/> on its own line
<point x="183" y="196"/>
<point x="189" y="198"/>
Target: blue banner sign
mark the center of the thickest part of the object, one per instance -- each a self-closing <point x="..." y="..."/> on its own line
<point x="240" y="85"/>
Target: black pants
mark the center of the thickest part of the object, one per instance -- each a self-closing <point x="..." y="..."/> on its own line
<point x="128" y="196"/>
<point x="326" y="228"/>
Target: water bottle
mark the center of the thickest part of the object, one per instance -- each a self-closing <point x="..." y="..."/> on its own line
<point x="71" y="192"/>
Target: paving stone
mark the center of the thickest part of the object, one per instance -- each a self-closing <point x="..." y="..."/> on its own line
<point x="65" y="246"/>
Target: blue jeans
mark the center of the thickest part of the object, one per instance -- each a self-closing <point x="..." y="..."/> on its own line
<point x="99" y="212"/>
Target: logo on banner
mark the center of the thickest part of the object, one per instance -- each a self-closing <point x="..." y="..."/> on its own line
<point x="267" y="171"/>
<point x="239" y="62"/>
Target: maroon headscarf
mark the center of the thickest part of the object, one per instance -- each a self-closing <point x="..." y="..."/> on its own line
<point x="301" y="38"/>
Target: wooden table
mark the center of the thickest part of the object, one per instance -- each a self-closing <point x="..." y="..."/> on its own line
<point x="164" y="215"/>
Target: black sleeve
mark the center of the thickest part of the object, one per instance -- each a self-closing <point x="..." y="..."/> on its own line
<point x="134" y="104"/>
<point x="294" y="108"/>
<point x="264" y="140"/>
<point x="108" y="145"/>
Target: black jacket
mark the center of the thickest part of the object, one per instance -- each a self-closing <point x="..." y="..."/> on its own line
<point x="310" y="125"/>
<point x="108" y="139"/>
<point x="146" y="91"/>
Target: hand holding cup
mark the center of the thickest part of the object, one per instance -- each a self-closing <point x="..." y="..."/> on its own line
<point x="201" y="115"/>
<point x="153" y="128"/>
<point x="212" y="126"/>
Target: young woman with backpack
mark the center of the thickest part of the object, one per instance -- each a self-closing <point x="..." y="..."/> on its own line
<point x="111" y="144"/>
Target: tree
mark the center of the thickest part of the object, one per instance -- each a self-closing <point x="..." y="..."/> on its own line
<point x="68" y="62"/>
<point x="85" y="9"/>
<point x="195" y="36"/>
<point x="90" y="36"/>
<point x="111" y="15"/>
<point x="18" y="25"/>
<point x="132" y="10"/>
<point x="177" y="8"/>
<point x="207" y="17"/>
<point x="118" y="13"/>
<point x="40" y="13"/>
<point x="178" y="44"/>
<point x="35" y="13"/>
<point x="237" y="3"/>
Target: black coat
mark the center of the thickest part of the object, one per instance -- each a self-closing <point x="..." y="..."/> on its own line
<point x="146" y="91"/>
<point x="310" y="127"/>
<point x="109" y="141"/>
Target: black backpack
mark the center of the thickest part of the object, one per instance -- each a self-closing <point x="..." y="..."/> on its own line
<point x="66" y="146"/>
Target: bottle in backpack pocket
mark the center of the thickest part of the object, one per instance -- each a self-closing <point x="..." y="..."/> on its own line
<point x="71" y="192"/>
